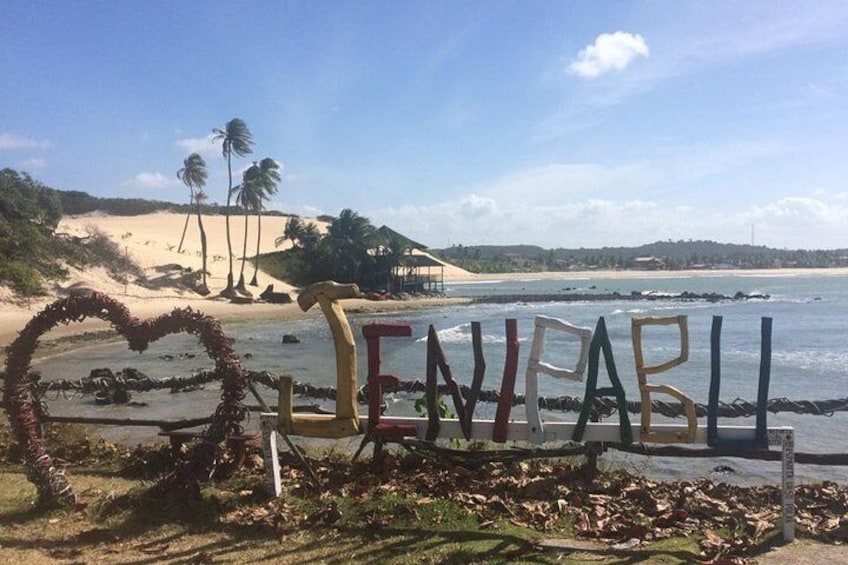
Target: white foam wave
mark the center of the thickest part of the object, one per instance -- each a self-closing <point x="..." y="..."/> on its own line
<point x="461" y="334"/>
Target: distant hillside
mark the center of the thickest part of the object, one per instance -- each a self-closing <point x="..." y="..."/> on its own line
<point x="660" y="255"/>
<point x="75" y="202"/>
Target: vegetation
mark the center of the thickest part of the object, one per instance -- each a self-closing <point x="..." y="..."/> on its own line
<point x="352" y="251"/>
<point x="29" y="214"/>
<point x="76" y="203"/>
<point x="259" y="182"/>
<point x="665" y="255"/>
<point x="302" y="235"/>
<point x="194" y="174"/>
<point x="266" y="175"/>
<point x="235" y="139"/>
<point x="411" y="509"/>
<point x="31" y="252"/>
<point x="95" y="249"/>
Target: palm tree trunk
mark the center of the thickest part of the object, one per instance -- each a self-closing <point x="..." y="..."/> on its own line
<point x="240" y="286"/>
<point x="185" y="226"/>
<point x="204" y="290"/>
<point x="254" y="281"/>
<point x="229" y="290"/>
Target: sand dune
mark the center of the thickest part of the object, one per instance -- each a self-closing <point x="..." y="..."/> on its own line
<point x="151" y="241"/>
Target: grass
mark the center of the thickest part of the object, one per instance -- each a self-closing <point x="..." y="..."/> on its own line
<point x="118" y="526"/>
<point x="231" y="523"/>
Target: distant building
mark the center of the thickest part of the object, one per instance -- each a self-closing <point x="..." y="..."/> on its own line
<point x="419" y="272"/>
<point x="648" y="264"/>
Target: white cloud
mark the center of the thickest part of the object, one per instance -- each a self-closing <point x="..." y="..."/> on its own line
<point x="553" y="182"/>
<point x="205" y="146"/>
<point x="154" y="181"/>
<point x="34" y="163"/>
<point x="610" y="52"/>
<point x="790" y="222"/>
<point x="801" y="221"/>
<point x="12" y="141"/>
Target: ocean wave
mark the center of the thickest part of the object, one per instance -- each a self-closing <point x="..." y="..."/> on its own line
<point x="461" y="334"/>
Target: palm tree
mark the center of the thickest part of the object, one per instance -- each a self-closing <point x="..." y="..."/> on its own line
<point x="248" y="199"/>
<point x="199" y="199"/>
<point x="193" y="174"/>
<point x="236" y="138"/>
<point x="389" y="257"/>
<point x="267" y="178"/>
<point x="310" y="236"/>
<point x="188" y="217"/>
<point x="349" y="238"/>
<point x="293" y="231"/>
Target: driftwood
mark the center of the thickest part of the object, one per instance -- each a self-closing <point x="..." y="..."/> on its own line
<point x="268" y="295"/>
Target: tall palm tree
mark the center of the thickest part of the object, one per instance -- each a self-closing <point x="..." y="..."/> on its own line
<point x="199" y="199"/>
<point x="247" y="195"/>
<point x="268" y="177"/>
<point x="236" y="139"/>
<point x="188" y="217"/>
<point x="194" y="175"/>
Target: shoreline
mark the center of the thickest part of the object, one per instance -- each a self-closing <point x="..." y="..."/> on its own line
<point x="63" y="337"/>
<point x="93" y="331"/>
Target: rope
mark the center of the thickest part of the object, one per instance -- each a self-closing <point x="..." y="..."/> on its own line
<point x="130" y="379"/>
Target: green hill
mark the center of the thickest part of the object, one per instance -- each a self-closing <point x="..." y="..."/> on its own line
<point x="660" y="255"/>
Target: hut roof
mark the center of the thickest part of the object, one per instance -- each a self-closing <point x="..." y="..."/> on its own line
<point x="420" y="261"/>
<point x="385" y="234"/>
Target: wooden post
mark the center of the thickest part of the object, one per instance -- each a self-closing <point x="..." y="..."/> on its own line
<point x="499" y="434"/>
<point x="479" y="374"/>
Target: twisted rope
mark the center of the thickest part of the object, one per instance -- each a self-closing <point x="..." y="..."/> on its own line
<point x="133" y="380"/>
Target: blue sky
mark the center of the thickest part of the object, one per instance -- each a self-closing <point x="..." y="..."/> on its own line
<point x="574" y="124"/>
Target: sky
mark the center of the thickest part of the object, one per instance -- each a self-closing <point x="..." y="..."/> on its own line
<point x="560" y="124"/>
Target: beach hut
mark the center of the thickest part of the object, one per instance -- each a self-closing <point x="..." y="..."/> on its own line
<point x="420" y="272"/>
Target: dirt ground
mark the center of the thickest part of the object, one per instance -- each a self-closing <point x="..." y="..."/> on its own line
<point x="805" y="553"/>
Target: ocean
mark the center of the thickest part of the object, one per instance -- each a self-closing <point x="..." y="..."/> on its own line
<point x="809" y="358"/>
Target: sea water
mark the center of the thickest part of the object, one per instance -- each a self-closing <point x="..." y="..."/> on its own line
<point x="809" y="357"/>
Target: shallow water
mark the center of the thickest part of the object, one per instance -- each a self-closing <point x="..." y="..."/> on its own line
<point x="809" y="360"/>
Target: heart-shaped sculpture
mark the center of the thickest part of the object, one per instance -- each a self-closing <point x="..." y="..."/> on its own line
<point x="51" y="483"/>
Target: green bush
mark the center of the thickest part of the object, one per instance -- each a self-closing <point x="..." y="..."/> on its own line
<point x="29" y="214"/>
<point x="21" y="277"/>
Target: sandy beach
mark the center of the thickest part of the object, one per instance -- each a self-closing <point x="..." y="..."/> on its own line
<point x="151" y="241"/>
